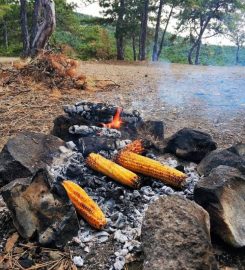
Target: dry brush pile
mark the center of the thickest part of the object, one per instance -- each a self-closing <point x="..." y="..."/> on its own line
<point x="54" y="70"/>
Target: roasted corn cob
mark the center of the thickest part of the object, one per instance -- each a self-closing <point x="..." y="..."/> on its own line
<point x="149" y="167"/>
<point x="136" y="146"/>
<point x="85" y="206"/>
<point x="113" y="170"/>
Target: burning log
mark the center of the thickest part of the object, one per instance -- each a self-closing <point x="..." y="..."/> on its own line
<point x="152" y="168"/>
<point x="85" y="131"/>
<point x="85" y="206"/>
<point x="113" y="170"/>
<point x="116" y="122"/>
<point x="87" y="145"/>
<point x="102" y="113"/>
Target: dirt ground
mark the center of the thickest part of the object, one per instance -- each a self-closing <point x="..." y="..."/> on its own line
<point x="209" y="98"/>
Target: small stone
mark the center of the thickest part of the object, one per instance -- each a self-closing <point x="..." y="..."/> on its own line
<point x="78" y="261"/>
<point x="26" y="263"/>
<point x="87" y="249"/>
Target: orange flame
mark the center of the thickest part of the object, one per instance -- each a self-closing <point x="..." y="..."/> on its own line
<point x="116" y="122"/>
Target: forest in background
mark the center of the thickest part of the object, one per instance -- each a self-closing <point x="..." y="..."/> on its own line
<point x="111" y="37"/>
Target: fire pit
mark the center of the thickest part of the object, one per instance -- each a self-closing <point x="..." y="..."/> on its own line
<point x="107" y="130"/>
<point x="110" y="166"/>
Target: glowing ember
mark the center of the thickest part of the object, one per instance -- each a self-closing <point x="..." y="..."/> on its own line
<point x="116" y="122"/>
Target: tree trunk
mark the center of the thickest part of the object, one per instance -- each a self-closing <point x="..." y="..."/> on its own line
<point x="134" y="47"/>
<point x="35" y="18"/>
<point x="5" y="29"/>
<point x="190" y="54"/>
<point x="237" y="54"/>
<point x="120" y="50"/>
<point x="155" y="46"/>
<point x="24" y="27"/>
<point x="198" y="47"/>
<point x="45" y="28"/>
<point x="119" y="31"/>
<point x="164" y="33"/>
<point x="143" y="31"/>
<point x="198" y="42"/>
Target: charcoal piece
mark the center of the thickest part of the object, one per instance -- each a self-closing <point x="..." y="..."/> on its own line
<point x="89" y="145"/>
<point x="62" y="124"/>
<point x="74" y="170"/>
<point x="151" y="128"/>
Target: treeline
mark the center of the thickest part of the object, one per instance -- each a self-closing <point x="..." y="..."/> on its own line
<point x="194" y="19"/>
<point x="128" y="30"/>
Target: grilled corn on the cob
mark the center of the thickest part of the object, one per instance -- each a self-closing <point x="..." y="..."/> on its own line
<point x="149" y="167"/>
<point x="113" y="170"/>
<point x="85" y="206"/>
<point x="136" y="146"/>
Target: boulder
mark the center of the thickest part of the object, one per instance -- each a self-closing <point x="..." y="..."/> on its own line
<point x="36" y="211"/>
<point x="222" y="194"/>
<point x="175" y="235"/>
<point x="26" y="153"/>
<point x="238" y="149"/>
<point x="232" y="157"/>
<point x="190" y="144"/>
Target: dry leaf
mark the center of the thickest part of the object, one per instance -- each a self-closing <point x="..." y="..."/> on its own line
<point x="73" y="267"/>
<point x="11" y="242"/>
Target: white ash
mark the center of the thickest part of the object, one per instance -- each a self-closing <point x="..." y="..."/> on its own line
<point x="85" y="131"/>
<point x="78" y="261"/>
<point x="71" y="145"/>
<point x="124" y="208"/>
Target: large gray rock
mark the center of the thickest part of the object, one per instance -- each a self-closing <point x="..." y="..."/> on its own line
<point x="26" y="153"/>
<point x="190" y="144"/>
<point x="222" y="194"/>
<point x="175" y="235"/>
<point x="232" y="157"/>
<point x="36" y="211"/>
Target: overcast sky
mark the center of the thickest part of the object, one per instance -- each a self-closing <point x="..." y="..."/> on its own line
<point x="94" y="10"/>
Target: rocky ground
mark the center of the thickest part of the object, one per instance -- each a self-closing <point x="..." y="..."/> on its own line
<point x="209" y="98"/>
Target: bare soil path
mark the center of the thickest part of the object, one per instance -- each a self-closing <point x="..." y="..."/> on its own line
<point x="209" y="98"/>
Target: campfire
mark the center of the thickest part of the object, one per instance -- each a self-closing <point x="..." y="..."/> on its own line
<point x="110" y="170"/>
<point x="119" y="171"/>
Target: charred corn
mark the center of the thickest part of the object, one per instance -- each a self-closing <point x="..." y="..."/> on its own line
<point x="136" y="146"/>
<point x="85" y="206"/>
<point x="113" y="170"/>
<point x="149" y="167"/>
